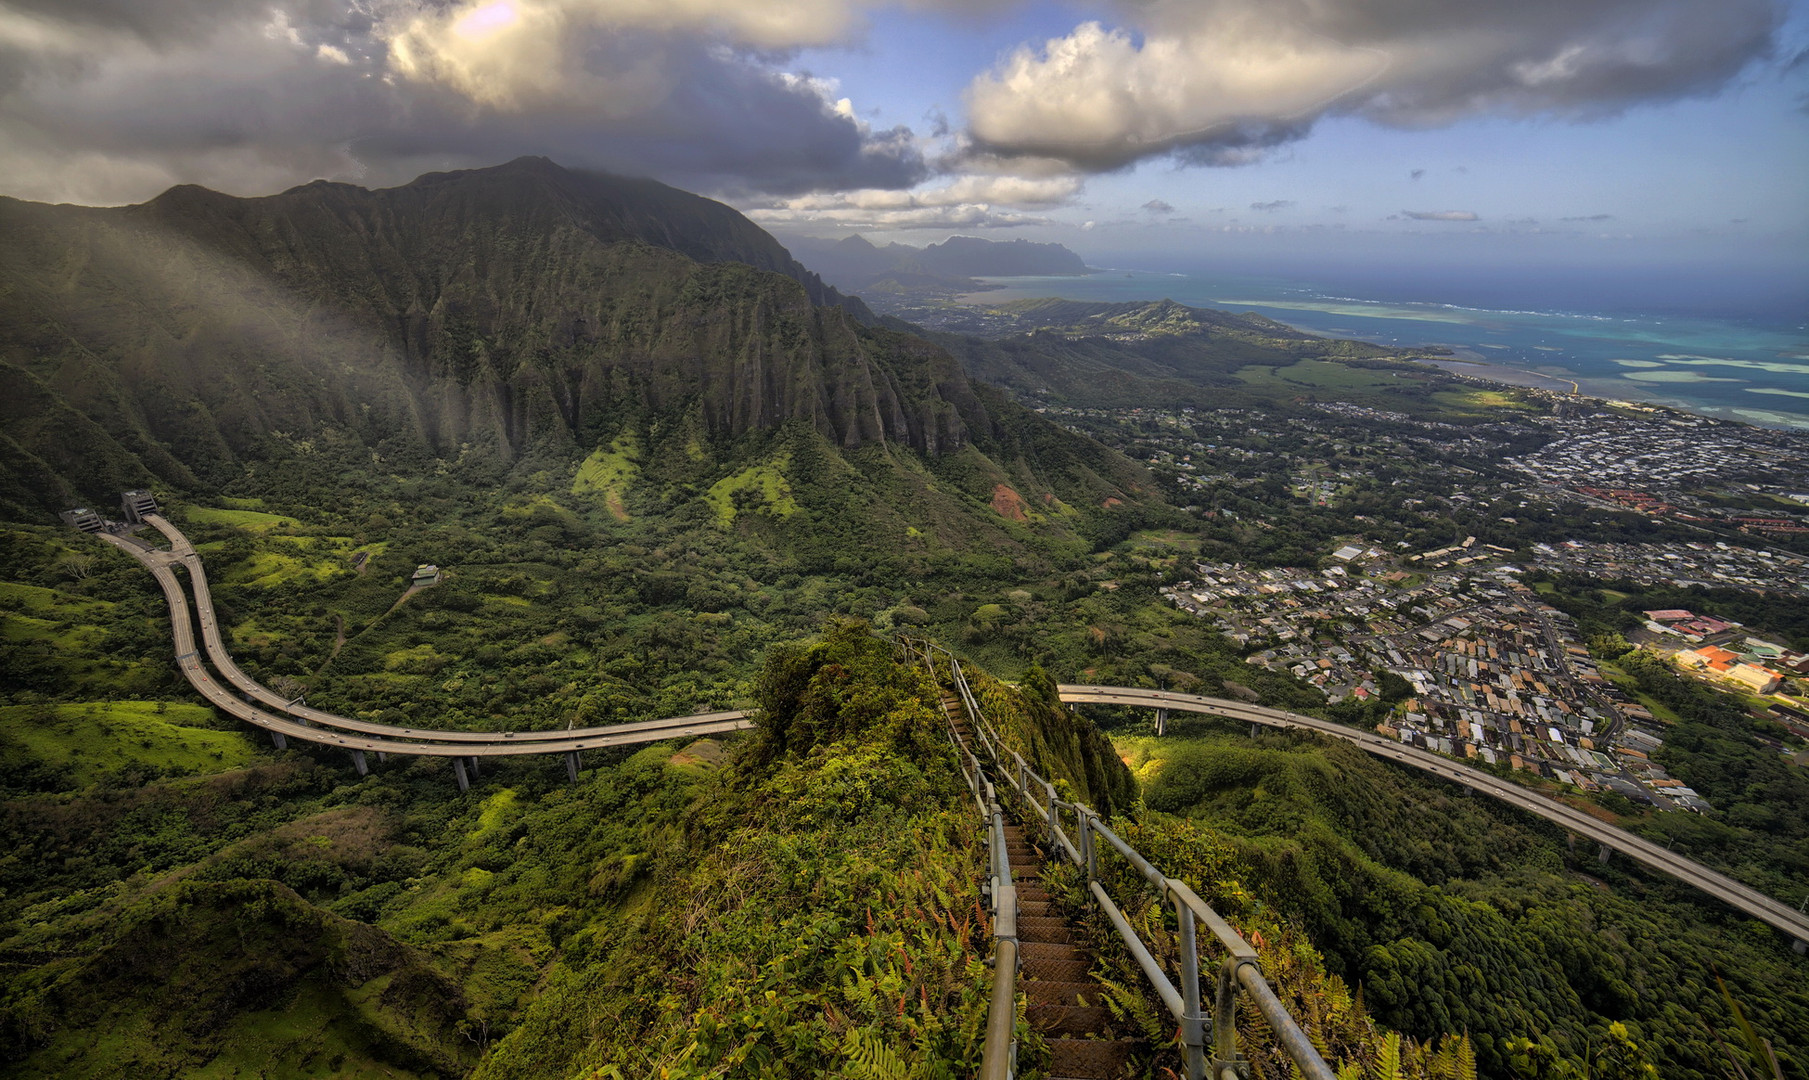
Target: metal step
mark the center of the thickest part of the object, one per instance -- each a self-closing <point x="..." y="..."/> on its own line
<point x="1052" y="950"/>
<point x="1089" y="1059"/>
<point x="1068" y="1019"/>
<point x="1044" y="928"/>
<point x="1043" y="969"/>
<point x="1053" y="992"/>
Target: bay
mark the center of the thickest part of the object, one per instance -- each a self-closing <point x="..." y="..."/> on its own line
<point x="1750" y="368"/>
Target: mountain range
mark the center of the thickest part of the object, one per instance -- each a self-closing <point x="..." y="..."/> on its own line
<point x="524" y="313"/>
<point x="858" y="265"/>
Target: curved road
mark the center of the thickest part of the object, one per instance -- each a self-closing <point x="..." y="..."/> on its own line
<point x="1723" y="888"/>
<point x="181" y="549"/>
<point x="361" y="735"/>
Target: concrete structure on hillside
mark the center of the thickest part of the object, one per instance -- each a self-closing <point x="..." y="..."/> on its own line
<point x="137" y="506"/>
<point x="84" y="519"/>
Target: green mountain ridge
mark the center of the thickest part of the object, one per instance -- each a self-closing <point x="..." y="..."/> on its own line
<point x="493" y="317"/>
<point x="1141" y="353"/>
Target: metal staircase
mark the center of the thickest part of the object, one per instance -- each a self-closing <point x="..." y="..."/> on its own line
<point x="1034" y="941"/>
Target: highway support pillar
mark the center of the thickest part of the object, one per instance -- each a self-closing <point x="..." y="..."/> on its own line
<point x="571" y="765"/>
<point x="1602" y="855"/>
<point x="359" y="763"/>
<point x="1161" y="721"/>
<point x="458" y="771"/>
<point x="473" y="764"/>
<point x="281" y="742"/>
<point x="1253" y="727"/>
<point x="382" y="757"/>
<point x="1800" y="947"/>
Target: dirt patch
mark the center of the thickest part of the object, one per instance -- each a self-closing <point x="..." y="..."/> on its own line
<point x="1111" y="501"/>
<point x="1600" y="813"/>
<point x="1009" y="503"/>
<point x="701" y="752"/>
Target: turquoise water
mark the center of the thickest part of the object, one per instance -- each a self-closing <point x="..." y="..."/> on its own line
<point x="1745" y="369"/>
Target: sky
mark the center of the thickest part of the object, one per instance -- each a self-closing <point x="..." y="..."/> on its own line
<point x="1580" y="133"/>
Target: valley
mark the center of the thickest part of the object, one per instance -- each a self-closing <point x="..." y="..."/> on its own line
<point x="663" y="472"/>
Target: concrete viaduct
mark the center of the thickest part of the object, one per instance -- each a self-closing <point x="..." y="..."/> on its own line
<point x="238" y="694"/>
<point x="1742" y="898"/>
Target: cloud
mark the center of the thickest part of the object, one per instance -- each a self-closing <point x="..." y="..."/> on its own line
<point x="1157" y="206"/>
<point x="1590" y="217"/>
<point x="1416" y="174"/>
<point x="1218" y="82"/>
<point x="1439" y="215"/>
<point x="111" y="100"/>
<point x="1270" y="207"/>
<point x="972" y="201"/>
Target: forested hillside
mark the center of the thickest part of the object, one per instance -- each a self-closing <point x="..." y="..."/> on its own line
<point x="661" y="469"/>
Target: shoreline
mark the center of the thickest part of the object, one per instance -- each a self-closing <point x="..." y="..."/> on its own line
<point x="1467" y="361"/>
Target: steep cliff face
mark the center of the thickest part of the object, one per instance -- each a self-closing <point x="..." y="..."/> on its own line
<point x="510" y="311"/>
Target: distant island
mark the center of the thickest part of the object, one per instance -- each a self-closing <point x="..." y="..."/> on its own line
<point x="856" y="265"/>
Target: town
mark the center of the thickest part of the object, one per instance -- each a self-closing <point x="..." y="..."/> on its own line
<point x="1473" y="664"/>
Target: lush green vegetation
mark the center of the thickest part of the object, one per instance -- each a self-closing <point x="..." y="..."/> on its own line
<point x="1458" y="914"/>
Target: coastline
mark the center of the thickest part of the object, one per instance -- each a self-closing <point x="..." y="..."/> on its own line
<point x="1651" y="377"/>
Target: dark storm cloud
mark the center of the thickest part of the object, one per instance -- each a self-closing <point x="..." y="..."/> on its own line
<point x="113" y="105"/>
<point x="170" y="20"/>
<point x="1193" y="79"/>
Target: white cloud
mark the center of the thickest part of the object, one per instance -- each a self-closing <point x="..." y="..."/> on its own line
<point x="972" y="201"/>
<point x="1220" y="81"/>
<point x="1440" y="215"/>
<point x="104" y="101"/>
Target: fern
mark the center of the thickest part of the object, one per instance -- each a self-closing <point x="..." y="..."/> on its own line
<point x="874" y="1059"/>
<point x="1132" y="1007"/>
<point x="1388" y="1066"/>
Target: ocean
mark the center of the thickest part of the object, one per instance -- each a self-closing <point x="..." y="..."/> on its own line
<point x="1752" y="368"/>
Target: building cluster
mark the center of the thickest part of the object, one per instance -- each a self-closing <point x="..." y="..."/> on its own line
<point x="1721" y="650"/>
<point x="1662" y="463"/>
<point x="1494" y="675"/>
<point x="1716" y="565"/>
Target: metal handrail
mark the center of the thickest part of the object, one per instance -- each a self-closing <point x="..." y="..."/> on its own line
<point x="1241" y="969"/>
<point x="999" y="1051"/>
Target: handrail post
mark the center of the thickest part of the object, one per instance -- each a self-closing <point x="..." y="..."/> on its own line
<point x="1224" y="1020"/>
<point x="1086" y="842"/>
<point x="1193" y="1024"/>
<point x="1055" y="822"/>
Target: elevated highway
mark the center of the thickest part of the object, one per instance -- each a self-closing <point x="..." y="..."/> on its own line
<point x="1740" y="897"/>
<point x="360" y="736"/>
<point x="181" y="550"/>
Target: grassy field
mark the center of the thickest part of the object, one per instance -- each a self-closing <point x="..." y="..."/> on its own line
<point x="255" y="520"/>
<point x="1471" y="400"/>
<point x="1317" y="375"/>
<point x="766" y="480"/>
<point x="50" y="603"/>
<point x="608" y="473"/>
<point x="93" y="739"/>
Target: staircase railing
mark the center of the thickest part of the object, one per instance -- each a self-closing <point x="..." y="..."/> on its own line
<point x="999" y="1053"/>
<point x="1240" y="971"/>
